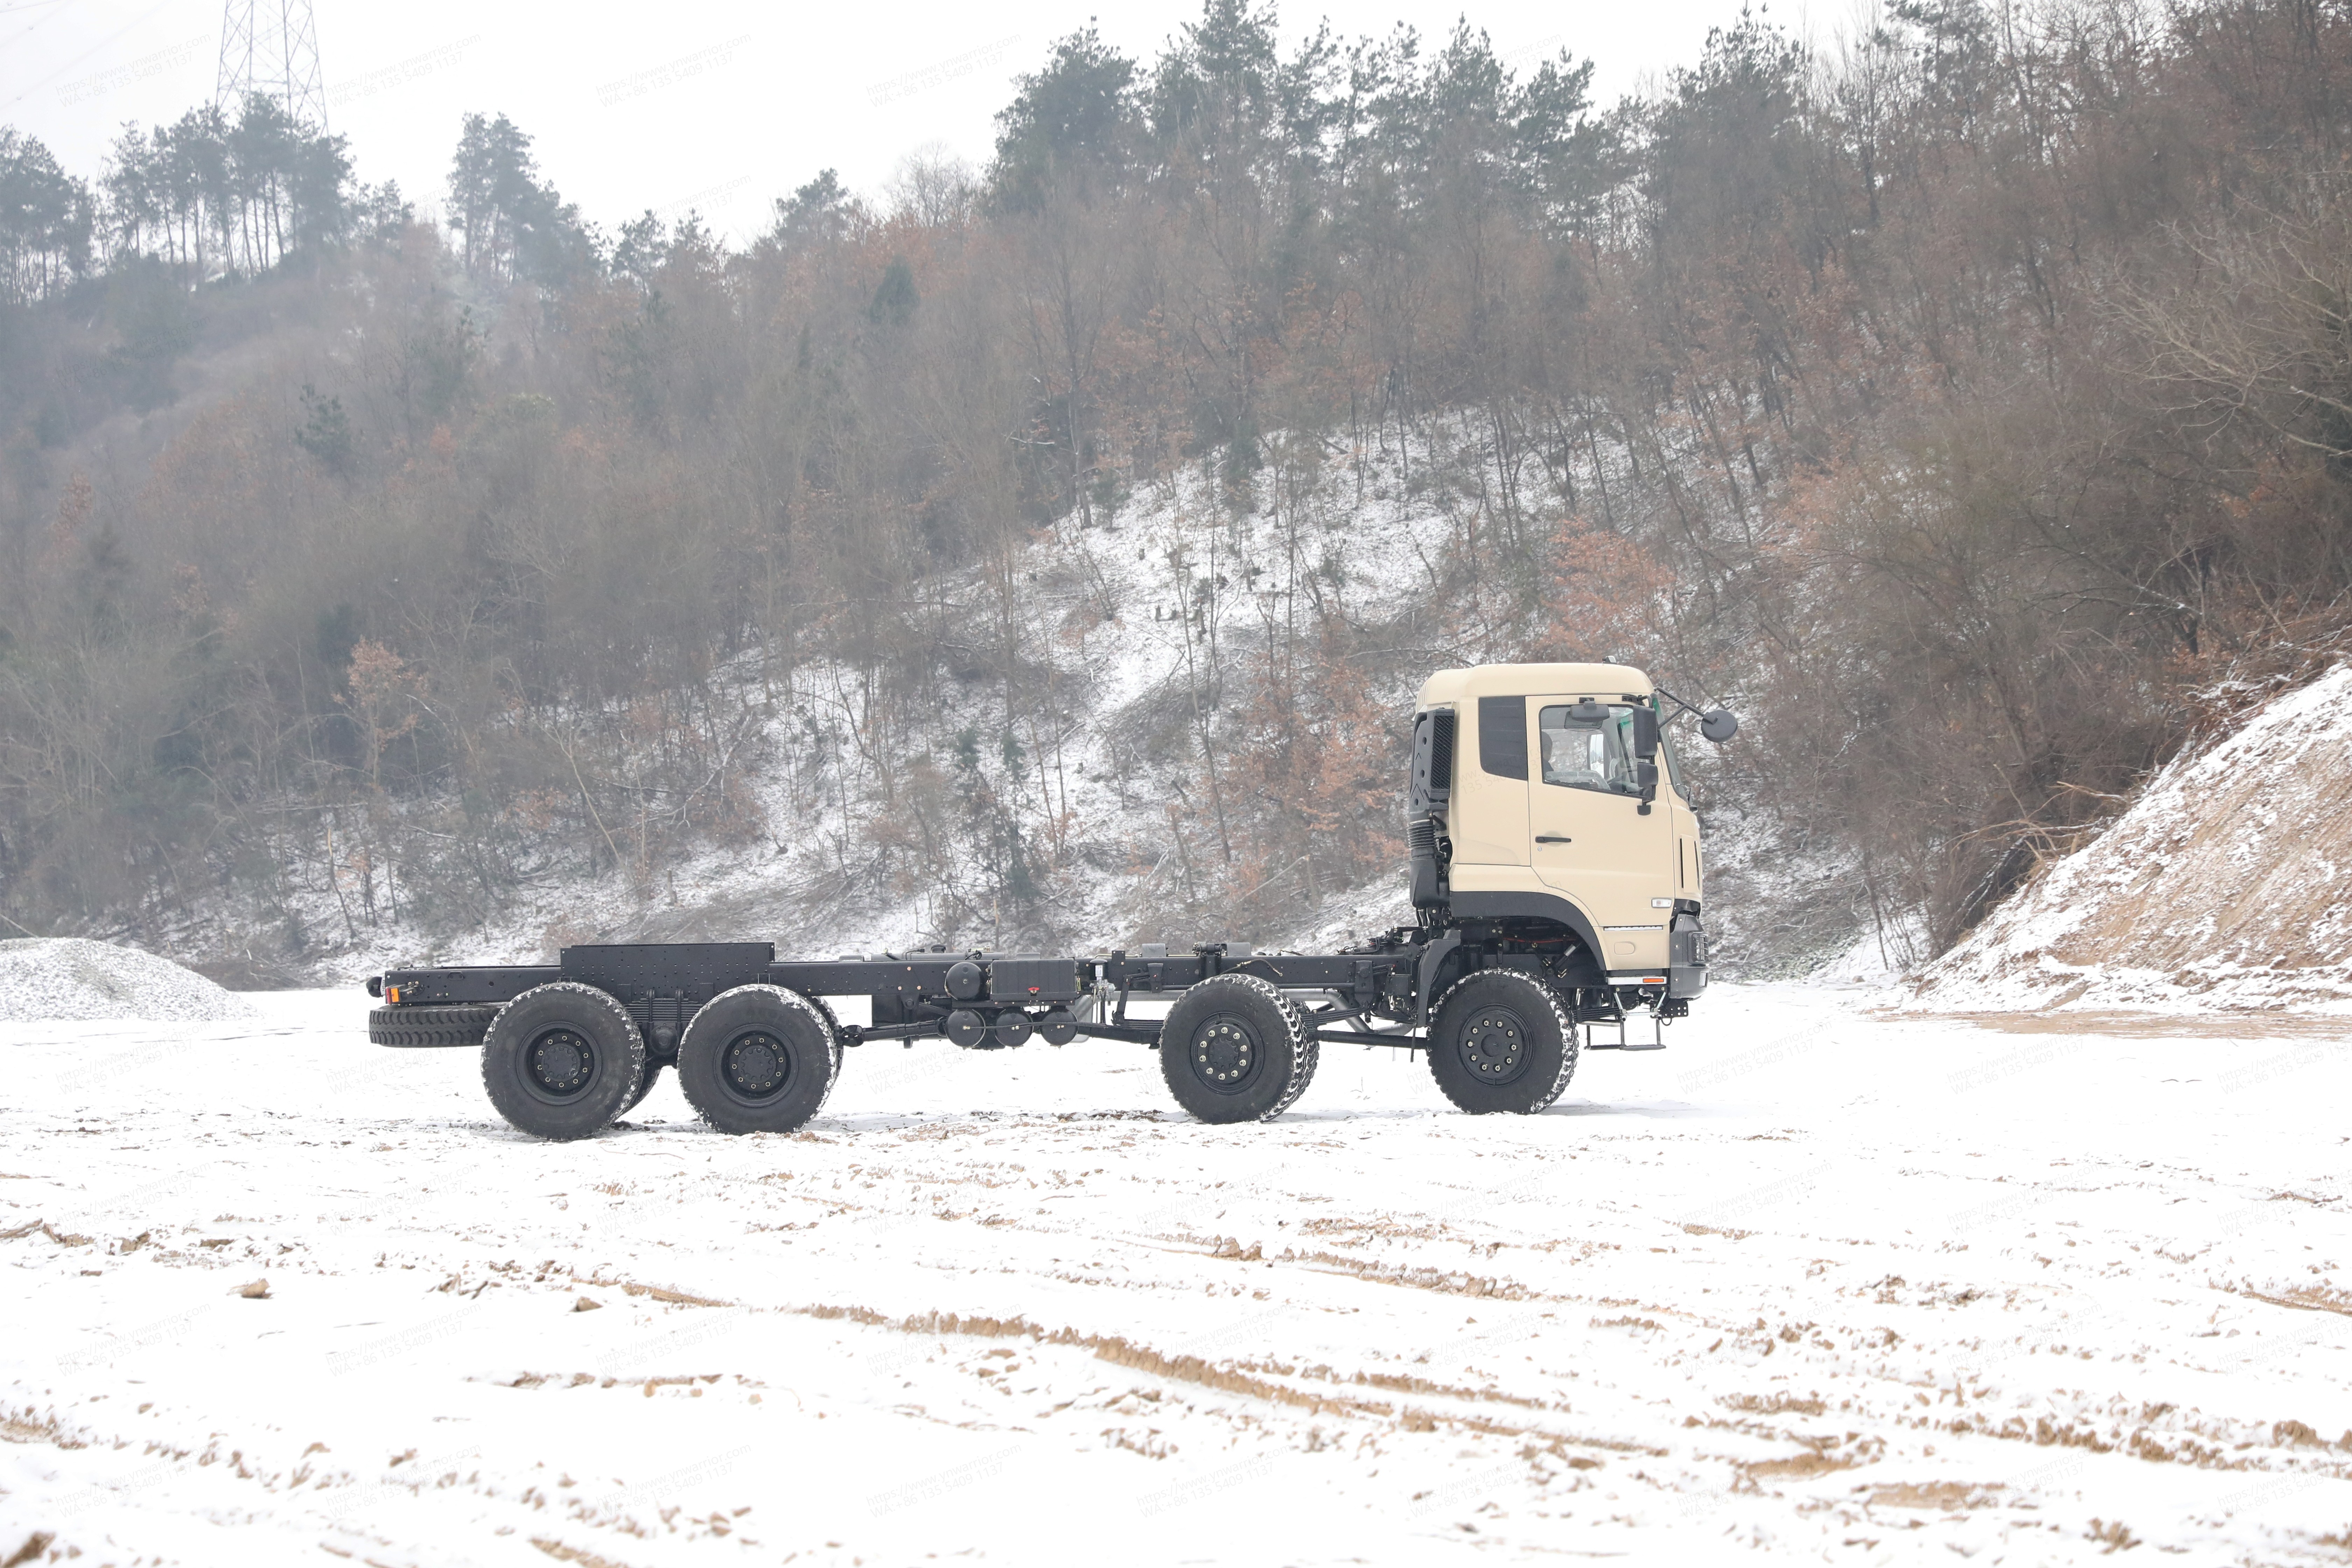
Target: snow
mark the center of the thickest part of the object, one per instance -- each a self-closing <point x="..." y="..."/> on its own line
<point x="2224" y="883"/>
<point x="68" y="978"/>
<point x="1814" y="1282"/>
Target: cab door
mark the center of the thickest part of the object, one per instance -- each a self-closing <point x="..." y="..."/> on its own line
<point x="1589" y="837"/>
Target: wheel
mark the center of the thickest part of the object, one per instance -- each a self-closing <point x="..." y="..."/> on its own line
<point x="415" y="1026"/>
<point x="1500" y="1040"/>
<point x="645" y="1087"/>
<point x="562" y="1060"/>
<point x="759" y="1058"/>
<point x="832" y="1032"/>
<point x="1235" y="1049"/>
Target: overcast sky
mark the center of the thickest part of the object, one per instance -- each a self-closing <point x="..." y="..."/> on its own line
<point x="707" y="104"/>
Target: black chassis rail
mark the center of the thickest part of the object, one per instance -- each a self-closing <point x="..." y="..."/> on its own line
<point x="663" y="984"/>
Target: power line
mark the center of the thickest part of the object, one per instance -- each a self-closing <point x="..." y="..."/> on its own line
<point x="134" y="22"/>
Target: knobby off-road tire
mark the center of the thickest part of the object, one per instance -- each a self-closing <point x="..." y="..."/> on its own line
<point x="419" y="1027"/>
<point x="645" y="1081"/>
<point x="832" y="1032"/>
<point x="561" y="1060"/>
<point x="1235" y="1049"/>
<point x="1501" y="1040"/>
<point x="760" y="1058"/>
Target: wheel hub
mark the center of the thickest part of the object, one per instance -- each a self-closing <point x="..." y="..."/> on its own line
<point x="1495" y="1045"/>
<point x="562" y="1062"/>
<point x="1224" y="1050"/>
<point x="755" y="1064"/>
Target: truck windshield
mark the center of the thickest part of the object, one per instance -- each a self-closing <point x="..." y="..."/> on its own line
<point x="1594" y="753"/>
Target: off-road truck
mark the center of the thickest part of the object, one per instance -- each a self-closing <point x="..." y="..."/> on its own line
<point x="1556" y="886"/>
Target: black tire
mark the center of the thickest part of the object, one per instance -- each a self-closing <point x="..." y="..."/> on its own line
<point x="645" y="1082"/>
<point x="832" y="1032"/>
<point x="759" y="1058"/>
<point x="1235" y="1049"/>
<point x="1499" y="1040"/>
<point x="560" y="1059"/>
<point x="426" y="1027"/>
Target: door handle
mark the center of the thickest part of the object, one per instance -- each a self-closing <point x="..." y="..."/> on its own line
<point x="1553" y="838"/>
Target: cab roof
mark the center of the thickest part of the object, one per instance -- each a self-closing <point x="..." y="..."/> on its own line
<point x="1604" y="681"/>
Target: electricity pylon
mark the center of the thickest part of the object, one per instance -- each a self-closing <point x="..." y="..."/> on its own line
<point x="271" y="48"/>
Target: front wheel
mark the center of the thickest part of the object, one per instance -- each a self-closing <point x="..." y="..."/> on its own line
<point x="1235" y="1049"/>
<point x="759" y="1058"/>
<point x="1500" y="1040"/>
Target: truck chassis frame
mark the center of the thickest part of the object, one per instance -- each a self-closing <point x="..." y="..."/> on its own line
<point x="603" y="1021"/>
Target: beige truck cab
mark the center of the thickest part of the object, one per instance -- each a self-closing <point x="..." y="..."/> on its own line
<point x="1548" y="795"/>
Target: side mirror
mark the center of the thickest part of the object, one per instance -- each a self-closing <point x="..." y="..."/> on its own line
<point x="1719" y="725"/>
<point x="1645" y="775"/>
<point x="1645" y="733"/>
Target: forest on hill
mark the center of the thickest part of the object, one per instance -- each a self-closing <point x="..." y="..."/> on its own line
<point x="1969" y="399"/>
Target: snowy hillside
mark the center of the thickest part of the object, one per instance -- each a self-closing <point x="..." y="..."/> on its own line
<point x="1112" y="810"/>
<point x="2229" y="880"/>
<point x="1149" y="630"/>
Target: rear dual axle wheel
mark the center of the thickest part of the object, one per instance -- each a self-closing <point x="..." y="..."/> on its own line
<point x="759" y="1058"/>
<point x="562" y="1060"/>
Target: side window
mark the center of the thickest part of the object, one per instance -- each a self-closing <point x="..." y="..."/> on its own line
<point x="1588" y="746"/>
<point x="1503" y="736"/>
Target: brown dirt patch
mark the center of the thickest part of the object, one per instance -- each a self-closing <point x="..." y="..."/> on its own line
<point x="1946" y="1497"/>
<point x="1799" y="1468"/>
<point x="2247" y="1025"/>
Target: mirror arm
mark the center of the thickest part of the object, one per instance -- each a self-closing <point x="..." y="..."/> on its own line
<point x="1684" y="707"/>
<point x="1705" y="719"/>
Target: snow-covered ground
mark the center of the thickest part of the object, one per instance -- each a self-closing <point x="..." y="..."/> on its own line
<point x="1809" y="1284"/>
